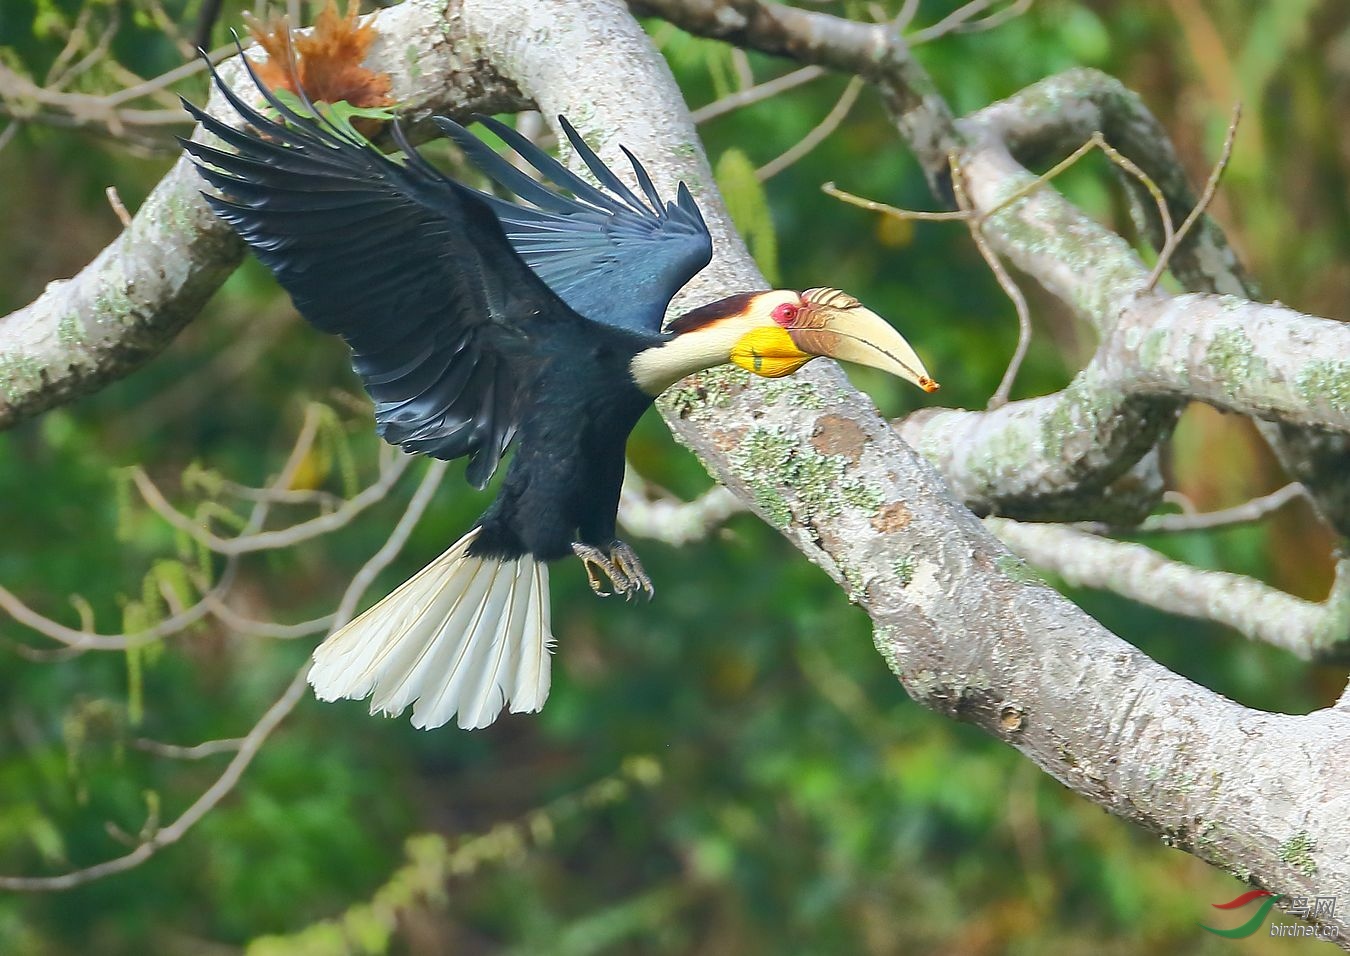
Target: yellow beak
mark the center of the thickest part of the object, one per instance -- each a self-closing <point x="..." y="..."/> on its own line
<point x="859" y="335"/>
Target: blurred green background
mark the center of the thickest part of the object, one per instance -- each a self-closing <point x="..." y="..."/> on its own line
<point x="776" y="792"/>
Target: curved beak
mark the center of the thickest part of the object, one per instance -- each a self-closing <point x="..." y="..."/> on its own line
<point x="859" y="335"/>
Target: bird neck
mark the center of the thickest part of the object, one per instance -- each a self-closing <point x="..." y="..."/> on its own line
<point x="656" y="369"/>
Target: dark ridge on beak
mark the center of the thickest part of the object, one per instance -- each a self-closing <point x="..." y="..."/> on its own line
<point x="710" y="313"/>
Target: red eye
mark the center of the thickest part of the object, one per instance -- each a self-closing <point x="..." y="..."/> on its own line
<point x="786" y="313"/>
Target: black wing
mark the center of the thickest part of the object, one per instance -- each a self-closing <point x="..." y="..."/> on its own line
<point x="607" y="254"/>
<point x="409" y="267"/>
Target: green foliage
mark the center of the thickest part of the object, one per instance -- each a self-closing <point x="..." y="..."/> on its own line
<point x="748" y="206"/>
<point x="339" y="114"/>
<point x="803" y="804"/>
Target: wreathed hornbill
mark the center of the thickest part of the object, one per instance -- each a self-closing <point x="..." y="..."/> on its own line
<point x="475" y="322"/>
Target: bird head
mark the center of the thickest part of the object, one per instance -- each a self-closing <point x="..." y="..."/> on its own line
<point x="773" y="334"/>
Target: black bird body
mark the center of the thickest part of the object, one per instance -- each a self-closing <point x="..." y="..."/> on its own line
<point x="562" y="485"/>
<point x="475" y="324"/>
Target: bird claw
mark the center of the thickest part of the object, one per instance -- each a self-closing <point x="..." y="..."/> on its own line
<point x="626" y="560"/>
<point x="621" y="566"/>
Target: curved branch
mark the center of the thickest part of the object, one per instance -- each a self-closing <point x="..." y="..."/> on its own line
<point x="645" y="512"/>
<point x="1246" y="513"/>
<point x="1048" y="458"/>
<point x="964" y="626"/>
<point x="252" y="742"/>
<point x="391" y="470"/>
<point x="1312" y="632"/>
<point x="1054" y="115"/>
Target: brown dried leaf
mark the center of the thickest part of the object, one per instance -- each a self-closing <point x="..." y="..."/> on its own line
<point x="326" y="62"/>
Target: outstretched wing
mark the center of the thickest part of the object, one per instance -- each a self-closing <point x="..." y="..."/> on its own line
<point x="606" y="253"/>
<point x="411" y="268"/>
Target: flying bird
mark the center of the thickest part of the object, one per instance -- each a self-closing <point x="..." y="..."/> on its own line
<point x="475" y="323"/>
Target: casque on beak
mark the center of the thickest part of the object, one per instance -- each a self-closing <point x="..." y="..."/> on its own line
<point x="834" y="324"/>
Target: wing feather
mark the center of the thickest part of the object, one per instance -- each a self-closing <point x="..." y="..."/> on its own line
<point x="607" y="253"/>
<point x="444" y="319"/>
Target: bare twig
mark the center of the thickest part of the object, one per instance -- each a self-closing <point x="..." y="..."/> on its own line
<point x="740" y="62"/>
<point x="1006" y="283"/>
<point x="281" y="537"/>
<point x="1245" y="513"/>
<point x="118" y="208"/>
<point x="1262" y="613"/>
<point x="1206" y="197"/>
<point x="252" y="742"/>
<point x="830" y="189"/>
<point x="999" y="17"/>
<point x="650" y="513"/>
<point x="756" y="94"/>
<point x="200" y="751"/>
<point x="908" y="11"/>
<point x="242" y="625"/>
<point x="22" y="99"/>
<point x="950" y="23"/>
<point x="283" y="496"/>
<point x="81" y="640"/>
<point x="816" y="136"/>
<point x="964" y="20"/>
<point x="75" y="39"/>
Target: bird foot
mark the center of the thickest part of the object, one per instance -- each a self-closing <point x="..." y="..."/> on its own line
<point x="626" y="560"/>
<point x="620" y="565"/>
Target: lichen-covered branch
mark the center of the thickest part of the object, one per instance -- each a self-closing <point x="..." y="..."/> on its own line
<point x="1309" y="631"/>
<point x="966" y="627"/>
<point x="1056" y="115"/>
<point x="1052" y="117"/>
<point x="1048" y="458"/>
<point x="127" y="305"/>
<point x="874" y="51"/>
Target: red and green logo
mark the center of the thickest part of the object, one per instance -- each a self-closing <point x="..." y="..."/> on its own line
<point x="1249" y="927"/>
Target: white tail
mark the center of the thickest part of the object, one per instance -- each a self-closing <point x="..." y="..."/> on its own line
<point x="464" y="635"/>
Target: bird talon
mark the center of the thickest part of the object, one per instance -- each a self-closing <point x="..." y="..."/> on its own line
<point x="620" y="565"/>
<point x="626" y="560"/>
<point x="593" y="559"/>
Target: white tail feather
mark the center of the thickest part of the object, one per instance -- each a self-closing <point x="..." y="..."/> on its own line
<point x="465" y="635"/>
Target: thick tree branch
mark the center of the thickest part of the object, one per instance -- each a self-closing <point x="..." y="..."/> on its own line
<point x="1053" y="116"/>
<point x="1312" y="632"/>
<point x="648" y="513"/>
<point x="968" y="631"/>
<point x="1048" y="458"/>
<point x="874" y="51"/>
